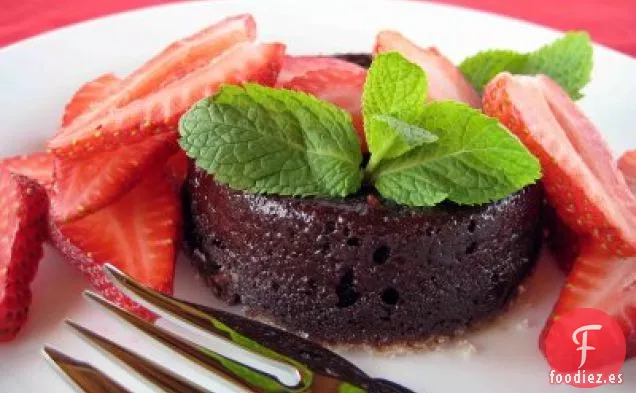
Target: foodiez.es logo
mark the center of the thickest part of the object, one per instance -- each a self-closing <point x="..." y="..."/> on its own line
<point x="585" y="348"/>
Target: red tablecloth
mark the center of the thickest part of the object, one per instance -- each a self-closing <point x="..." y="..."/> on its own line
<point x="611" y="22"/>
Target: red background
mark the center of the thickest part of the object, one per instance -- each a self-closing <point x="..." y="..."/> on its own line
<point x="610" y="22"/>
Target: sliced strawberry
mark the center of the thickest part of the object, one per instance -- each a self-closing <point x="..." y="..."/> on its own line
<point x="177" y="60"/>
<point x="89" y="95"/>
<point x="627" y="165"/>
<point x="445" y="80"/>
<point x="160" y="111"/>
<point x="22" y="230"/>
<point x="564" y="243"/>
<point x="177" y="169"/>
<point x="137" y="233"/>
<point x="297" y="66"/>
<point x="87" y="185"/>
<point x="333" y="80"/>
<point x="580" y="177"/>
<point x="603" y="282"/>
<point x="37" y="166"/>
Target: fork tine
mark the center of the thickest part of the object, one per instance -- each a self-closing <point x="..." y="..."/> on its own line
<point x="236" y="372"/>
<point x="285" y="370"/>
<point x="149" y="370"/>
<point x="81" y="375"/>
<point x="272" y="342"/>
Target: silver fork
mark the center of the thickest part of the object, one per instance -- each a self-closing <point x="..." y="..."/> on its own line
<point x="262" y="359"/>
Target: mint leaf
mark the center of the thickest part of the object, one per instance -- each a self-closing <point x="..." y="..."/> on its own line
<point x="568" y="61"/>
<point x="395" y="138"/>
<point x="476" y="160"/>
<point x="482" y="67"/>
<point x="264" y="140"/>
<point x="394" y="87"/>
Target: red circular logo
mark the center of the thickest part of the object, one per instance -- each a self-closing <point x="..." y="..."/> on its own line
<point x="585" y="348"/>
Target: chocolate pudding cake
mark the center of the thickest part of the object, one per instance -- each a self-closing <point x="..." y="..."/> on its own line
<point x="361" y="269"/>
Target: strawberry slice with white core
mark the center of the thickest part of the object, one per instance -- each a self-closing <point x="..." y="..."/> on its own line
<point x="87" y="185"/>
<point x="160" y="111"/>
<point x="333" y="80"/>
<point x="627" y="165"/>
<point x="37" y="166"/>
<point x="22" y="230"/>
<point x="298" y="66"/>
<point x="445" y="80"/>
<point x="585" y="138"/>
<point x="178" y="59"/>
<point x="581" y="180"/>
<point x="90" y="95"/>
<point x="138" y="234"/>
<point x="603" y="282"/>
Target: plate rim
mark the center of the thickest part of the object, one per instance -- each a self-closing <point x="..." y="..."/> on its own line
<point x="362" y="355"/>
<point x="35" y="39"/>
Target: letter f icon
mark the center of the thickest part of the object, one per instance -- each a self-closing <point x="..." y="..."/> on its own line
<point x="583" y="345"/>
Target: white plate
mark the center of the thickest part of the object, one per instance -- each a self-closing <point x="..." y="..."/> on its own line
<point x="38" y="76"/>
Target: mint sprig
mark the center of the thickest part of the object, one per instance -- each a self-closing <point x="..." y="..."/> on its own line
<point x="264" y="140"/>
<point x="476" y="160"/>
<point x="427" y="153"/>
<point x="568" y="61"/>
